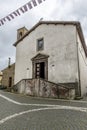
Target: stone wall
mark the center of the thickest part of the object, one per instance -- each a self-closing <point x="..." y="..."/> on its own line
<point x="8" y="73"/>
<point x="43" y="88"/>
<point x="0" y="78"/>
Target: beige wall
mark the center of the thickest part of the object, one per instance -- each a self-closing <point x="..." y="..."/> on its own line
<point x="82" y="66"/>
<point x="59" y="44"/>
<point x="7" y="73"/>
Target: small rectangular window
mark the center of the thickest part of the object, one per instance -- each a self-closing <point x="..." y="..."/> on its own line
<point x="40" y="44"/>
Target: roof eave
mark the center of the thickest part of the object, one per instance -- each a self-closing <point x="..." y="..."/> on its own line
<point x="45" y="22"/>
<point x="76" y="23"/>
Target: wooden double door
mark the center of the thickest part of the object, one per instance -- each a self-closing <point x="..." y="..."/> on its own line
<point x="40" y="70"/>
<point x="40" y="66"/>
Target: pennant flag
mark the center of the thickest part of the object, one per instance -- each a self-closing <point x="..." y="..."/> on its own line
<point x="39" y="1"/>
<point x="8" y="18"/>
<point x="34" y="2"/>
<point x="2" y="21"/>
<point x="29" y="5"/>
<point x="11" y="16"/>
<point x="25" y="8"/>
<point x="15" y="13"/>
<point x="22" y="9"/>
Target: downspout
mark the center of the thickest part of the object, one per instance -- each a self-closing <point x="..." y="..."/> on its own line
<point x="79" y="83"/>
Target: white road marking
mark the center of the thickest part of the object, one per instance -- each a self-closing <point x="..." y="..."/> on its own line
<point x="10" y="100"/>
<point x="48" y="107"/>
<point x="42" y="109"/>
<point x="25" y="104"/>
<point x="54" y="99"/>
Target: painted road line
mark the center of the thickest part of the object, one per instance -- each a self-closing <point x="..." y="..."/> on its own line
<point x="10" y="100"/>
<point x="42" y="109"/>
<point x="25" y="104"/>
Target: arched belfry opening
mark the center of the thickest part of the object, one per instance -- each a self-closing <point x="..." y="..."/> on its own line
<point x="21" y="32"/>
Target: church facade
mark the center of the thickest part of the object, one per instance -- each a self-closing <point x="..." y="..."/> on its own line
<point x="54" y="51"/>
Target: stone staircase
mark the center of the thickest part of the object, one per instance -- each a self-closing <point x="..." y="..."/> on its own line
<point x="44" y="88"/>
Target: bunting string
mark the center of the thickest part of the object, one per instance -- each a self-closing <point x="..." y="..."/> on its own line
<point x="28" y="6"/>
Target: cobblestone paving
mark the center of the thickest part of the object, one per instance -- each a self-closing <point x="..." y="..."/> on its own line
<point x="50" y="119"/>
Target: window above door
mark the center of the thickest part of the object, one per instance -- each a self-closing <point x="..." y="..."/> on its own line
<point x="40" y="44"/>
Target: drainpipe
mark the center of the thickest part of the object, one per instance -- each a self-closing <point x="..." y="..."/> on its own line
<point x="79" y="85"/>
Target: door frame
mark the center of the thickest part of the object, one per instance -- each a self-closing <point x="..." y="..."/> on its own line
<point x="38" y="59"/>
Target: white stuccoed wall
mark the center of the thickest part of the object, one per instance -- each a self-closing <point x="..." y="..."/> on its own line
<point x="82" y="66"/>
<point x="59" y="44"/>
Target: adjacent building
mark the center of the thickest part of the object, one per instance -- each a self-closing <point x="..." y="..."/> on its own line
<point x="8" y="76"/>
<point x="1" y="78"/>
<point x="53" y="51"/>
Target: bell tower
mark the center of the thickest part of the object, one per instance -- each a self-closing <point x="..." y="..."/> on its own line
<point x="21" y="32"/>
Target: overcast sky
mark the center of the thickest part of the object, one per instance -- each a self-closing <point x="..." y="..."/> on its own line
<point x="60" y="10"/>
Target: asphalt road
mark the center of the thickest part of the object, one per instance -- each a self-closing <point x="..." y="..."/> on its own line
<point x="19" y="112"/>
